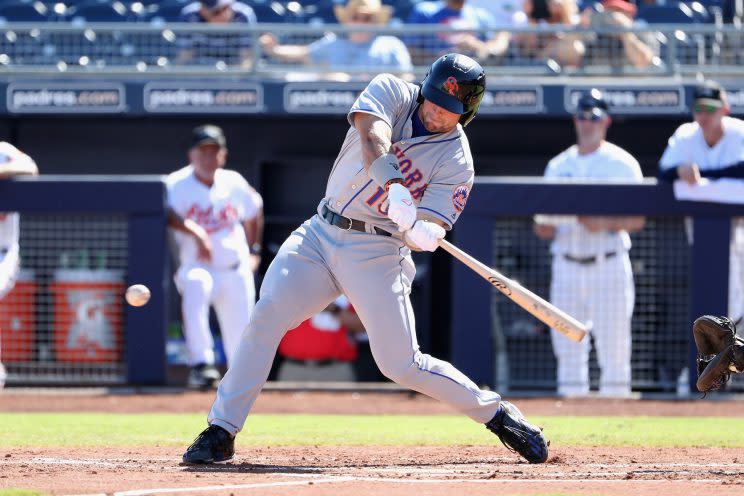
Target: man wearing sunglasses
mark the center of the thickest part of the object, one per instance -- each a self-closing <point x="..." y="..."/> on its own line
<point x="712" y="147"/>
<point x="591" y="273"/>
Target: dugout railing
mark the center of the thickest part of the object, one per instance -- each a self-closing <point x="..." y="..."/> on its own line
<point x="83" y="240"/>
<point x="77" y="227"/>
<point x="495" y="342"/>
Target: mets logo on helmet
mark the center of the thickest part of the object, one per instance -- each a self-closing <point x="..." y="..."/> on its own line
<point x="451" y="86"/>
<point x="460" y="196"/>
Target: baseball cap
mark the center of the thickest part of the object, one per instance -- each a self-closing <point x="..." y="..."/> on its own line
<point x="213" y="4"/>
<point x="208" y="134"/>
<point x="592" y="105"/>
<point x="623" y="6"/>
<point x="709" y="93"/>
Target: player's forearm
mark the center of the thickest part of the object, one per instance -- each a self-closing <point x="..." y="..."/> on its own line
<point x="184" y="225"/>
<point x="627" y="223"/>
<point x="254" y="230"/>
<point x="375" y="135"/>
<point x="595" y="223"/>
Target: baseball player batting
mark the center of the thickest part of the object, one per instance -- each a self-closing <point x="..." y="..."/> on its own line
<point x="402" y="177"/>
<point x="13" y="162"/>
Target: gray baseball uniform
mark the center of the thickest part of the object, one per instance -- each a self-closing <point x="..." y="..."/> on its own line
<point x="319" y="261"/>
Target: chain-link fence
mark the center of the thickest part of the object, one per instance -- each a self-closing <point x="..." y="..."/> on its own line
<point x="660" y="329"/>
<point x="63" y="320"/>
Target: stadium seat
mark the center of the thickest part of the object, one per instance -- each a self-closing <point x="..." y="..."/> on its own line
<point x="100" y="12"/>
<point x="169" y="11"/>
<point x="401" y="8"/>
<point x="700" y="12"/>
<point x="272" y="12"/>
<point x="667" y="14"/>
<point x="143" y="11"/>
<point x="321" y="13"/>
<point x="24" y="12"/>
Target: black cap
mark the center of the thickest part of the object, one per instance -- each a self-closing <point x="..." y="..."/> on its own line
<point x="592" y="99"/>
<point x="709" y="93"/>
<point x="592" y="105"/>
<point x="208" y="134"/>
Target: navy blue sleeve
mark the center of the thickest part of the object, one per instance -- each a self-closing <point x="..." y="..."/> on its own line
<point x="669" y="174"/>
<point x="733" y="171"/>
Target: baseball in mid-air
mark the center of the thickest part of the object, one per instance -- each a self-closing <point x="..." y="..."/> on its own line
<point x="137" y="295"/>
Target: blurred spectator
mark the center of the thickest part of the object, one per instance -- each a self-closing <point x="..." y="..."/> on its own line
<point x="13" y="162"/>
<point x="565" y="48"/>
<point x="456" y="14"/>
<point x="353" y="50"/>
<point x="504" y="12"/>
<point x="230" y="48"/>
<point x="324" y="347"/>
<point x="621" y="49"/>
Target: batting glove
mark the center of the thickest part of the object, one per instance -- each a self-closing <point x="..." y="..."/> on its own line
<point x="401" y="209"/>
<point x="425" y="235"/>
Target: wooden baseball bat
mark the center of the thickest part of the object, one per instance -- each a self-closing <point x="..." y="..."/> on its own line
<point x="543" y="310"/>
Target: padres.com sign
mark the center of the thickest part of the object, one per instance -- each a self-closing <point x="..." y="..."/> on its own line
<point x="633" y="99"/>
<point x="65" y="98"/>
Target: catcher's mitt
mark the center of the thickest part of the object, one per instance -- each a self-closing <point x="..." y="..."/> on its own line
<point x="720" y="351"/>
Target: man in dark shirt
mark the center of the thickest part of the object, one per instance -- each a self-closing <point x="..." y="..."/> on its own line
<point x="215" y="48"/>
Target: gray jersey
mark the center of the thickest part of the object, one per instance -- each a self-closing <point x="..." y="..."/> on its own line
<point x="437" y="169"/>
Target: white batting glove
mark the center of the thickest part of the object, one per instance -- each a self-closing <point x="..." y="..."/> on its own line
<point x="401" y="209"/>
<point x="425" y="235"/>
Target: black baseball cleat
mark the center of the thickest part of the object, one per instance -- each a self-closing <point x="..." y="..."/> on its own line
<point x="519" y="435"/>
<point x="214" y="444"/>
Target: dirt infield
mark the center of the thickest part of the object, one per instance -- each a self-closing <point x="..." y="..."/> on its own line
<point x="359" y="471"/>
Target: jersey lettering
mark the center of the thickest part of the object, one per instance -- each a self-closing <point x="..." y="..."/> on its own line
<point x="213" y="221"/>
<point x="379" y="197"/>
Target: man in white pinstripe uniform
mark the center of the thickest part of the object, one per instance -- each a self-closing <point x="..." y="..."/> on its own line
<point x="591" y="273"/>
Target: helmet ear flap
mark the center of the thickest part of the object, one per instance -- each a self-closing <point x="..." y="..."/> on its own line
<point x="466" y="118"/>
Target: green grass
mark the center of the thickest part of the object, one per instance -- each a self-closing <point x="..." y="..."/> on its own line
<point x="98" y="430"/>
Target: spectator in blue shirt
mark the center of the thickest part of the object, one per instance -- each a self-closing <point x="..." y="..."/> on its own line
<point x="456" y="14"/>
<point x="368" y="52"/>
<point x="210" y="48"/>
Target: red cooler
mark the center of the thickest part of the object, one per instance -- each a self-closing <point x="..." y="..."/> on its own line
<point x="88" y="315"/>
<point x="18" y="319"/>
